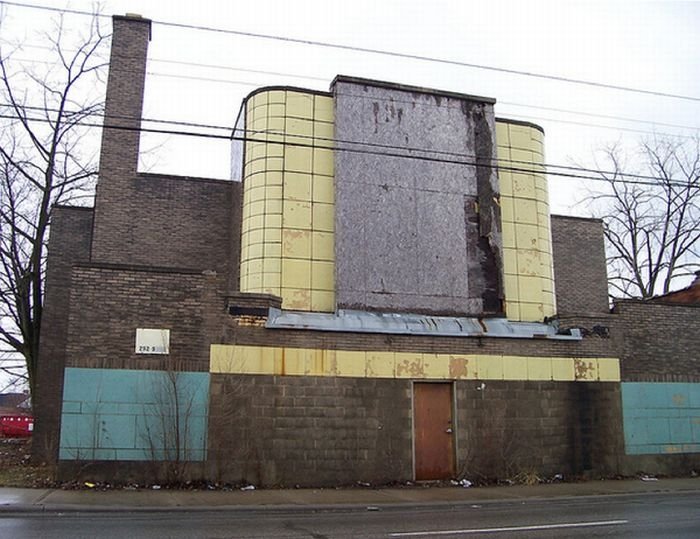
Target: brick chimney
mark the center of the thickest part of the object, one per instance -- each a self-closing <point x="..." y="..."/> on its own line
<point x="120" y="137"/>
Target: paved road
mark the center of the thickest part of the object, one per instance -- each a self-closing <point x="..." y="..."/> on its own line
<point x="638" y="516"/>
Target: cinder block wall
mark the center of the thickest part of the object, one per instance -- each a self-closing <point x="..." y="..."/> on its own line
<point x="315" y="431"/>
<point x="580" y="273"/>
<point x="309" y="431"/>
<point x="69" y="243"/>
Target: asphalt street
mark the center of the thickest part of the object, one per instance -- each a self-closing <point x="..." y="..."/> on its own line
<point x="635" y="515"/>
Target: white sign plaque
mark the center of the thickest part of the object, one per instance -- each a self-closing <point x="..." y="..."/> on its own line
<point x="152" y="341"/>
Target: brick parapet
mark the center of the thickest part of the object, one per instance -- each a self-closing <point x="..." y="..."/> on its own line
<point x="580" y="273"/>
<point x="660" y="342"/>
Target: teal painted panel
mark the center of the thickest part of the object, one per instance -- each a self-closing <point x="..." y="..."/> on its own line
<point x="661" y="418"/>
<point x="134" y="415"/>
<point x="681" y="431"/>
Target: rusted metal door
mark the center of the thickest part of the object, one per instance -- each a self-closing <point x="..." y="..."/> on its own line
<point x="432" y="418"/>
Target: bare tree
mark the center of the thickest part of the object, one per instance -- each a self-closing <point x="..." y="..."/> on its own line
<point x="46" y="103"/>
<point x="652" y="217"/>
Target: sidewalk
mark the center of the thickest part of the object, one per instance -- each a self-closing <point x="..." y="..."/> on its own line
<point x="38" y="500"/>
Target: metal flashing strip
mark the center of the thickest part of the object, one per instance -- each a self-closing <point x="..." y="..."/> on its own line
<point x="415" y="324"/>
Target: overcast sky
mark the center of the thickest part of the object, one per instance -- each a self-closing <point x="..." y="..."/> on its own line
<point x="651" y="46"/>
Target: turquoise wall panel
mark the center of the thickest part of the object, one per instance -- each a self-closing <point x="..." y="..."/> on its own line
<point x="661" y="418"/>
<point x="121" y="414"/>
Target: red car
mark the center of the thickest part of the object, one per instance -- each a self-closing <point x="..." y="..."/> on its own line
<point x="16" y="426"/>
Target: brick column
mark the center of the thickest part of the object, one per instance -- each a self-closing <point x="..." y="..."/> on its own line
<point x="120" y="138"/>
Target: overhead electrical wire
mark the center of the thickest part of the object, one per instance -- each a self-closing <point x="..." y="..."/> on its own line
<point x="477" y="163"/>
<point x="229" y="129"/>
<point x="380" y="52"/>
<point x="324" y="79"/>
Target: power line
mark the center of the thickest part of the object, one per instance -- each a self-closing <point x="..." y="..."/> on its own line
<point x="311" y="138"/>
<point x="382" y="52"/>
<point x="325" y="80"/>
<point x="671" y="182"/>
<point x="526" y="117"/>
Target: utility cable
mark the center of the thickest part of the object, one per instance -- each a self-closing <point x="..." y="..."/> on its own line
<point x="381" y="52"/>
<point x="312" y="139"/>
<point x="478" y="164"/>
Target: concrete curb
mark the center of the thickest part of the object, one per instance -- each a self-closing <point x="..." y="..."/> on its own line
<point x="267" y="508"/>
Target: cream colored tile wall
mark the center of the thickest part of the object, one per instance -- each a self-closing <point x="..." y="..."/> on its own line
<point x="238" y="359"/>
<point x="287" y="244"/>
<point x="527" y="244"/>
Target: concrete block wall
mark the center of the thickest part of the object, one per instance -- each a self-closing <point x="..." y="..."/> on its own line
<point x="69" y="243"/>
<point x="309" y="431"/>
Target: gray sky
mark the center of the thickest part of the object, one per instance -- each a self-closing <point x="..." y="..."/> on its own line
<point x="645" y="45"/>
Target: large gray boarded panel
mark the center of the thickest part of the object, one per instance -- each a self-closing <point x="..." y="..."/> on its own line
<point x="417" y="219"/>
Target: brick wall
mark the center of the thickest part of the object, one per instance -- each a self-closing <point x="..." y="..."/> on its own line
<point x="660" y="343"/>
<point x="69" y="242"/>
<point x="580" y="274"/>
<point x="149" y="219"/>
<point x="107" y="304"/>
<point x="592" y="346"/>
<point x="120" y="137"/>
<point x="180" y="222"/>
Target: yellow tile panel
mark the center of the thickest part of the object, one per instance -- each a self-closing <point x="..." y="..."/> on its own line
<point x="298" y="159"/>
<point x="531" y="312"/>
<point x="300" y="104"/>
<point x="323" y="161"/>
<point x="323" y="217"/>
<point x="539" y="368"/>
<point x="322" y="275"/>
<point x="514" y="368"/>
<point x="383" y="364"/>
<point x="436" y="366"/>
<point x="490" y="367"/>
<point x="350" y="363"/>
<point x="296" y="273"/>
<point x="380" y="365"/>
<point x="409" y="365"/>
<point x="296" y="214"/>
<point x="608" y="370"/>
<point x="296" y="243"/>
<point x="323" y="134"/>
<point x="297" y="186"/>
<point x="322" y="301"/>
<point x="586" y="369"/>
<point x="322" y="246"/>
<point x="462" y="367"/>
<point x="296" y="299"/>
<point x="323" y="108"/>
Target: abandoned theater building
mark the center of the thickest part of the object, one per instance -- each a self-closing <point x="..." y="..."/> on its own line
<point x="378" y="294"/>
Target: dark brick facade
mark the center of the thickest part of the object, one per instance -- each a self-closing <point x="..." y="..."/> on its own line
<point x="69" y="244"/>
<point x="108" y="303"/>
<point x="659" y="342"/>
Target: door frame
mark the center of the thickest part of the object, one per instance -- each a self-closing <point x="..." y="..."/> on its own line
<point x="453" y="411"/>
